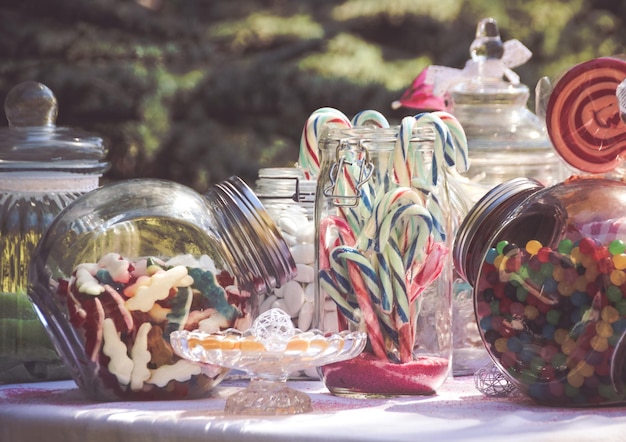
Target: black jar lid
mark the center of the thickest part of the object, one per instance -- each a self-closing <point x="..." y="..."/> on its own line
<point x="32" y="141"/>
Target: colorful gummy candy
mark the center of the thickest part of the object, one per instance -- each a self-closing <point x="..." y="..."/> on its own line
<point x="553" y="316"/>
<point x="124" y="311"/>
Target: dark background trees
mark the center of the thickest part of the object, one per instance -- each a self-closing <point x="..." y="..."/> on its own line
<point x="198" y="90"/>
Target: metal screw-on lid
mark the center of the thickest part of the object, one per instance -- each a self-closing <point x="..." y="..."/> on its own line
<point x="482" y="221"/>
<point x="258" y="245"/>
<point x="33" y="142"/>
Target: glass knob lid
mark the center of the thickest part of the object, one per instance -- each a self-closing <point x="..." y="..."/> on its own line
<point x="33" y="142"/>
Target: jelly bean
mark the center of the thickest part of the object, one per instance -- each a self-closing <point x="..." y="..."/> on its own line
<point x="553" y="317"/>
<point x="614" y="293"/>
<point x="617" y="247"/>
<point x="604" y="329"/>
<point x="575" y="379"/>
<point x="501" y="246"/>
<point x="609" y="314"/>
<point x="556" y="389"/>
<point x="491" y="256"/>
<point x="619" y="261"/>
<point x="543" y="254"/>
<point x="565" y="246"/>
<point x="533" y="246"/>
<point x="587" y="246"/>
<point x="618" y="277"/>
<point x="531" y="312"/>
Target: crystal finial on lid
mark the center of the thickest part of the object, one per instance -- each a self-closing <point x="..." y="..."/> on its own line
<point x="487" y="43"/>
<point x="31" y="104"/>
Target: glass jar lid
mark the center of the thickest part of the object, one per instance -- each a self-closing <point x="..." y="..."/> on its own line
<point x="33" y="142"/>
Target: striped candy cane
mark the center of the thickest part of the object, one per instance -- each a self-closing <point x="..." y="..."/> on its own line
<point x="457" y="139"/>
<point x="370" y="117"/>
<point x="309" y="159"/>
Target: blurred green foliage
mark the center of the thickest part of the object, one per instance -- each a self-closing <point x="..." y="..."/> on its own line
<point x="198" y="90"/>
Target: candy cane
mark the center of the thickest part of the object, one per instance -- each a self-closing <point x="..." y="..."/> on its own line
<point x="458" y="139"/>
<point x="402" y="165"/>
<point x="364" y="283"/>
<point x="370" y="117"/>
<point x="397" y="270"/>
<point x="308" y="159"/>
<point x="441" y="149"/>
<point x="334" y="231"/>
<point x="382" y="206"/>
<point x="328" y="284"/>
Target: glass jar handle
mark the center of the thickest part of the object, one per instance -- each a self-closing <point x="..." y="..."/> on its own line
<point x="343" y="190"/>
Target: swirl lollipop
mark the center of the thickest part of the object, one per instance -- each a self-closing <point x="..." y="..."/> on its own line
<point x="583" y="116"/>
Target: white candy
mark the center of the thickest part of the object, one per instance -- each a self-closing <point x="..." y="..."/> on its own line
<point x="306" y="273"/>
<point x="288" y="225"/>
<point x="306" y="235"/>
<point x="305" y="318"/>
<point x="309" y="293"/>
<point x="267" y="303"/>
<point x="303" y="253"/>
<point x="289" y="239"/>
<point x="294" y="298"/>
<point x="280" y="304"/>
<point x="280" y="291"/>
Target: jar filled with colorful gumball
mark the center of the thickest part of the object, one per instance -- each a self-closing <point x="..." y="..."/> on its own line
<point x="127" y="264"/>
<point x="548" y="264"/>
<point x="383" y="253"/>
<point x="549" y="270"/>
<point x="289" y="199"/>
<point x="43" y="168"/>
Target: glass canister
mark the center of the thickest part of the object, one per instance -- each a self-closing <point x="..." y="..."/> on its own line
<point x="382" y="259"/>
<point x="548" y="266"/>
<point x="42" y="169"/>
<point x="505" y="139"/>
<point x="289" y="199"/>
<point x="126" y="264"/>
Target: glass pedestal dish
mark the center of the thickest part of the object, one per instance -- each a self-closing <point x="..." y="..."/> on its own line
<point x="268" y="352"/>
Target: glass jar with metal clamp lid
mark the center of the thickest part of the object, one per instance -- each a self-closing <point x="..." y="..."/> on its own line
<point x="383" y="259"/>
<point x="289" y="200"/>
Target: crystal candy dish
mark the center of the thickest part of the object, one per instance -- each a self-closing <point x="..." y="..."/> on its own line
<point x="269" y="352"/>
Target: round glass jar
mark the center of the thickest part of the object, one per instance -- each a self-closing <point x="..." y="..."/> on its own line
<point x="126" y="264"/>
<point x="548" y="267"/>
<point x="42" y="169"/>
<point x="289" y="199"/>
<point x="383" y="262"/>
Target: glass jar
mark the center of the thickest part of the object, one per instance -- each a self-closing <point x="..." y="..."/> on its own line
<point x="42" y="169"/>
<point x="126" y="264"/>
<point x="382" y="261"/>
<point x="289" y="199"/>
<point x="548" y="267"/>
<point x="505" y="139"/>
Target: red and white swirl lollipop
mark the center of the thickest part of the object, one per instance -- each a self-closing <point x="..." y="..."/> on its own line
<point x="583" y="116"/>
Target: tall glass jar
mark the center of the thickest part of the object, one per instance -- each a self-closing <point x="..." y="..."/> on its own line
<point x="505" y="139"/>
<point x="42" y="169"/>
<point x="383" y="261"/>
<point x="289" y="199"/>
<point x="548" y="267"/>
<point x="127" y="264"/>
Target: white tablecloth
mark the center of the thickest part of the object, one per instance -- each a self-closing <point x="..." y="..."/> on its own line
<point x="58" y="412"/>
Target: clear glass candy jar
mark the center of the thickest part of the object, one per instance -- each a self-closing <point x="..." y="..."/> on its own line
<point x="42" y="169"/>
<point x="383" y="260"/>
<point x="505" y="139"/>
<point x="548" y="267"/>
<point x="289" y="199"/>
<point x="126" y="264"/>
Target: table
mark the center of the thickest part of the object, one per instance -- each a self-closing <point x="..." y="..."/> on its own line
<point x="58" y="412"/>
